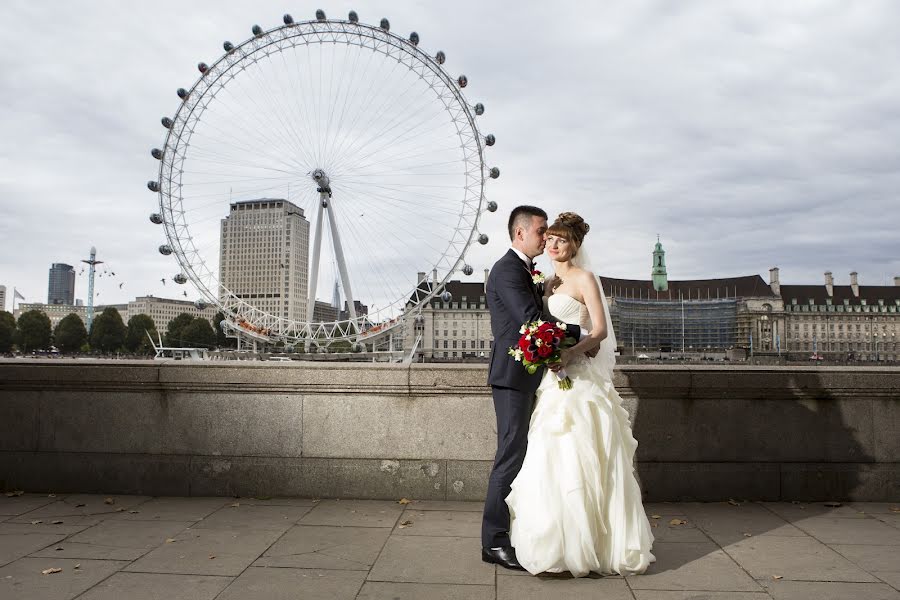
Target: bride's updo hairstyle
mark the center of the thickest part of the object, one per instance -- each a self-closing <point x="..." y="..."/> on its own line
<point x="570" y="226"/>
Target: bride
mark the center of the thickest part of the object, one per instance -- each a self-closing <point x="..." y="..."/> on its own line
<point x="576" y="505"/>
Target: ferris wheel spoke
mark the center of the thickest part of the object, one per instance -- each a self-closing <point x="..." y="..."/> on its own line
<point x="412" y="201"/>
<point x="354" y="83"/>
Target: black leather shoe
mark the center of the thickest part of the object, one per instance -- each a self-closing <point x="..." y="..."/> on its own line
<point x="505" y="557"/>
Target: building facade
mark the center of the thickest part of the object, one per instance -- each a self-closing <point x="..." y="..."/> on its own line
<point x="61" y="286"/>
<point x="2" y="298"/>
<point x="264" y="256"/>
<point x="842" y="322"/>
<point x="163" y="310"/>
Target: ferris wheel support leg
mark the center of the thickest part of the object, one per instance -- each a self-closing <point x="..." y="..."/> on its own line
<point x="314" y="264"/>
<point x="342" y="265"/>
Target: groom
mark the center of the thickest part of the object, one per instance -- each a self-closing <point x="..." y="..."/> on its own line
<point x="513" y="299"/>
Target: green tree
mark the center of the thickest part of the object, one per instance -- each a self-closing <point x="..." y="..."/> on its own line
<point x="174" y="330"/>
<point x="7" y="331"/>
<point x="136" y="339"/>
<point x="108" y="331"/>
<point x="198" y="334"/>
<point x="70" y="334"/>
<point x="34" y="331"/>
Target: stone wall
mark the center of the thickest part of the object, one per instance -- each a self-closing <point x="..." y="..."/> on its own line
<point x="360" y="430"/>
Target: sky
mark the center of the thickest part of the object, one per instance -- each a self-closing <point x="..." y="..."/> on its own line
<point x="747" y="135"/>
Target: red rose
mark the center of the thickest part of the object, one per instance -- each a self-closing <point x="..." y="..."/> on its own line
<point x="530" y="356"/>
<point x="545" y="351"/>
<point x="523" y="343"/>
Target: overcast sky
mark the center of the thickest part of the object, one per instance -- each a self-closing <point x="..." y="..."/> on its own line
<point x="746" y="134"/>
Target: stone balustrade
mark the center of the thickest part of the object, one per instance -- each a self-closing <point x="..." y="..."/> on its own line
<point x="425" y="431"/>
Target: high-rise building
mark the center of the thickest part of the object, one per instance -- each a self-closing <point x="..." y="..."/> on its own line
<point x="2" y="297"/>
<point x="61" y="289"/>
<point x="264" y="256"/>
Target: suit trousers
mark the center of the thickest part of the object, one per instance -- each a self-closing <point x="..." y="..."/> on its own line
<point x="513" y="408"/>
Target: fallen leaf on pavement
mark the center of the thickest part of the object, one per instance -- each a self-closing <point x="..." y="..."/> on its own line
<point x="405" y="524"/>
<point x="777" y="576"/>
<point x="108" y="501"/>
<point x="212" y="556"/>
<point x="677" y="522"/>
<point x="748" y="535"/>
<point x="170" y="541"/>
<point x="58" y="548"/>
<point x="78" y="566"/>
<point x="895" y="509"/>
<point x="57" y="522"/>
<point x="36" y="522"/>
<point x="734" y="502"/>
<point x="234" y="504"/>
<point x="120" y="509"/>
<point x="404" y="501"/>
<point x="833" y="504"/>
<point x="655" y="517"/>
<point x="51" y="571"/>
<point x="133" y="512"/>
<point x="79" y="505"/>
<point x="15" y="493"/>
<point x="51" y="495"/>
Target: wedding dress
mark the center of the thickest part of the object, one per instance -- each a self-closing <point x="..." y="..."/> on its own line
<point x="576" y="505"/>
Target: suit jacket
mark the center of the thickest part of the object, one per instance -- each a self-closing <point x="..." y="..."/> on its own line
<point x="513" y="299"/>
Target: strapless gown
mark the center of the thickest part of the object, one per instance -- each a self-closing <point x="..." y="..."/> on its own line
<point x="576" y="505"/>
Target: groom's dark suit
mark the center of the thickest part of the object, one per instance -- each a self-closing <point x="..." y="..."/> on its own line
<point x="513" y="299"/>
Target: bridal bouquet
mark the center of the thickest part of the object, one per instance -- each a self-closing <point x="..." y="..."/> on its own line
<point x="540" y="345"/>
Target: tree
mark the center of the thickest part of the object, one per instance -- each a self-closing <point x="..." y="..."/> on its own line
<point x="34" y="331"/>
<point x="7" y="331"/>
<point x="108" y="331"/>
<point x="222" y="341"/>
<point x="199" y="334"/>
<point x="174" y="330"/>
<point x="70" y="333"/>
<point x="136" y="339"/>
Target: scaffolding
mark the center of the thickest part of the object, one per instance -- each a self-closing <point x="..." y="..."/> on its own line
<point x="681" y="325"/>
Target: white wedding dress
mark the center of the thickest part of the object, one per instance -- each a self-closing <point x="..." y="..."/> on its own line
<point x="576" y="505"/>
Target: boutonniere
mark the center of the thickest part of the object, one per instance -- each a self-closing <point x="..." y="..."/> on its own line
<point x="537" y="277"/>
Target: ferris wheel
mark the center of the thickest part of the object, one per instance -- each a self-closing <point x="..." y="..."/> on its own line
<point x="323" y="158"/>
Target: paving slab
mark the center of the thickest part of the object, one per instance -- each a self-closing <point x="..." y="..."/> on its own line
<point x="354" y="513"/>
<point x="664" y="508"/>
<point x="693" y="566"/>
<point x="421" y="559"/>
<point x="207" y="552"/>
<point x="115" y="540"/>
<point x="863" y="530"/>
<point x="685" y="530"/>
<point x="698" y="595"/>
<point x="815" y="590"/>
<point x="261" y="583"/>
<point x="19" y="505"/>
<point x="23" y="579"/>
<point x="276" y="501"/>
<point x="555" y="588"/>
<point x="51" y="525"/>
<point x="797" y="559"/>
<point x="727" y="523"/>
<point x="320" y="547"/>
<point x="15" y="546"/>
<point x="891" y="578"/>
<point x="791" y="511"/>
<point x="870" y="558"/>
<point x="439" y="523"/>
<point x="446" y="505"/>
<point x="157" y="586"/>
<point x="84" y="505"/>
<point x="891" y="519"/>
<point x="242" y="516"/>
<point x="872" y="508"/>
<point x="173" y="509"/>
<point x="381" y="590"/>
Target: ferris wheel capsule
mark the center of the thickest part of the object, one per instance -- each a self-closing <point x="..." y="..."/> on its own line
<point x="182" y="93"/>
<point x="203" y="67"/>
<point x="167" y="122"/>
<point x="385" y="24"/>
<point x="257" y="30"/>
<point x="483" y="239"/>
<point x="479" y="109"/>
<point x="156" y="219"/>
<point x="446" y="296"/>
<point x="353" y="17"/>
<point x="467" y="270"/>
<point x="228" y="46"/>
<point x="414" y="38"/>
<point x="180" y="279"/>
<point x="492" y="206"/>
<point x="156" y="153"/>
<point x="165" y="250"/>
<point x="490" y="140"/>
<point x="320" y="15"/>
<point x="495" y="172"/>
<point x="288" y="19"/>
<point x="463" y="81"/>
<point x="199" y="304"/>
<point x="153" y="186"/>
<point x="440" y="57"/>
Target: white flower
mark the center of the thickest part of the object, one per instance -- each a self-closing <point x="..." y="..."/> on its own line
<point x="538" y="342"/>
<point x="539" y="323"/>
<point x="517" y="354"/>
<point x="523" y="329"/>
<point x="561" y="325"/>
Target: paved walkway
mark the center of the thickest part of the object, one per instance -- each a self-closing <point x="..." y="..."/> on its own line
<point x="139" y="548"/>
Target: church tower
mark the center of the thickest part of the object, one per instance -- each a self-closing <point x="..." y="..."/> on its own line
<point x="658" y="274"/>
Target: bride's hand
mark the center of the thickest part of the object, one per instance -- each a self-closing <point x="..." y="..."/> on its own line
<point x="565" y="357"/>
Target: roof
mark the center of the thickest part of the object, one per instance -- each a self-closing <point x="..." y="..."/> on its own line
<point x="698" y="289"/>
<point x="472" y="290"/>
<point x="890" y="294"/>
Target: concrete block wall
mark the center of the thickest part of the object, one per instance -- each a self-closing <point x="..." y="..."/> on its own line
<point x="362" y="430"/>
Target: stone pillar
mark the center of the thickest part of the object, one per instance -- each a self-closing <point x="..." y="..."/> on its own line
<point x="854" y="284"/>
<point x="773" y="281"/>
<point x="829" y="283"/>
